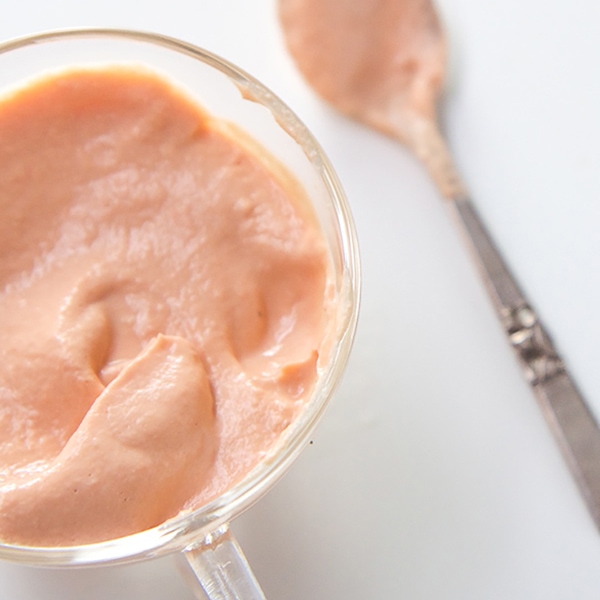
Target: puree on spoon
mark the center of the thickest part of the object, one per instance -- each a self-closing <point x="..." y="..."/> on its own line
<point x="165" y="293"/>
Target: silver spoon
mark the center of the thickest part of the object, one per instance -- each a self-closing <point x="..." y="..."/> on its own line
<point x="382" y="62"/>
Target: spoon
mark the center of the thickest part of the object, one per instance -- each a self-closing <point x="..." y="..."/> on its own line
<point x="382" y="62"/>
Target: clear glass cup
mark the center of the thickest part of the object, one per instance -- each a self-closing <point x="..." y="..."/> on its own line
<point x="203" y="536"/>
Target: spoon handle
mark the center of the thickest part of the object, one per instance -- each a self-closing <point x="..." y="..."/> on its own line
<point x="563" y="406"/>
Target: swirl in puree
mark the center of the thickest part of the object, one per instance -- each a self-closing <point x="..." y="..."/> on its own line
<point x="164" y="297"/>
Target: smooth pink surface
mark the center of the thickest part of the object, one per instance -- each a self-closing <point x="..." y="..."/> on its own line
<point x="379" y="61"/>
<point x="165" y="297"/>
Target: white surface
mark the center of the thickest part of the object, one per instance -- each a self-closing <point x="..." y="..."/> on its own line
<point x="433" y="474"/>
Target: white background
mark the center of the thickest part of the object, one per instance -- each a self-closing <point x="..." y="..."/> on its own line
<point x="433" y="474"/>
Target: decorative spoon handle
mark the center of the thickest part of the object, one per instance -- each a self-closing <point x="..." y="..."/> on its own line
<point x="563" y="406"/>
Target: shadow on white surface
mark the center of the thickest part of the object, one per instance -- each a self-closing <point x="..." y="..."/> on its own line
<point x="150" y="580"/>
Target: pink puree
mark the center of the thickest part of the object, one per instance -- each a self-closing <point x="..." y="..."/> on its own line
<point x="164" y="297"/>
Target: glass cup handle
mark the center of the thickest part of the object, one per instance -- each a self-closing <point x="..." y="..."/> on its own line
<point x="220" y="569"/>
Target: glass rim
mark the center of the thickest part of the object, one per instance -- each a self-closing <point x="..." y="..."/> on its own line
<point x="189" y="528"/>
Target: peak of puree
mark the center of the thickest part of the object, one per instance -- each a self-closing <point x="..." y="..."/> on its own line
<point x="165" y="294"/>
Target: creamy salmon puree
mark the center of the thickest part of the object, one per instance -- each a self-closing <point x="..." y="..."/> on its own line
<point x="165" y="290"/>
<point x="380" y="61"/>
